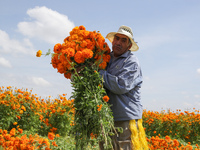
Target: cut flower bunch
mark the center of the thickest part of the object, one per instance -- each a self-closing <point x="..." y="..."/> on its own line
<point x="79" y="58"/>
<point x="81" y="49"/>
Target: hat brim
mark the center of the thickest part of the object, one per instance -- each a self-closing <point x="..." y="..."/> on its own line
<point x="110" y="37"/>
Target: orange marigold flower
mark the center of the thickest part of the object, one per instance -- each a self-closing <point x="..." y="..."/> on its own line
<point x="61" y="68"/>
<point x="176" y="143"/>
<point x="106" y="98"/>
<point x="53" y="130"/>
<point x="5" y="131"/>
<point x="74" y="37"/>
<point x="80" y="38"/>
<point x="99" y="107"/>
<point x="15" y="123"/>
<point x="13" y="107"/>
<point x="57" y="48"/>
<point x="20" y="130"/>
<point x="22" y="146"/>
<point x="168" y="138"/>
<point x="39" y="53"/>
<point x="74" y="30"/>
<point x="51" y="135"/>
<point x="57" y="135"/>
<point x="87" y="53"/>
<point x="53" y="111"/>
<point x="62" y="58"/>
<point x="67" y="75"/>
<point x="19" y="96"/>
<point x="55" y="61"/>
<point x="83" y="44"/>
<point x="106" y="58"/>
<point x="72" y="44"/>
<point x="79" y="57"/>
<point x="93" y="136"/>
<point x="90" y="44"/>
<point x="54" y="144"/>
<point x="102" y="65"/>
<point x="81" y="27"/>
<point x="93" y="34"/>
<point x="23" y="108"/>
<point x="21" y="111"/>
<point x="7" y="137"/>
<point x="69" y="52"/>
<point x="46" y="141"/>
<point x="12" y="132"/>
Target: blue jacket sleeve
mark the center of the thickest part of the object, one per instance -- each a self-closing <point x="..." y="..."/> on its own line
<point x="128" y="77"/>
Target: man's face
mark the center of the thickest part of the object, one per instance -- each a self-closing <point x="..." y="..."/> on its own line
<point x="120" y="44"/>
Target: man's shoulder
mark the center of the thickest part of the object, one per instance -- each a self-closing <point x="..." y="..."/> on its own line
<point x="132" y="57"/>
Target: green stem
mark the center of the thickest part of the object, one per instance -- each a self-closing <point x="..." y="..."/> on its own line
<point x="102" y="127"/>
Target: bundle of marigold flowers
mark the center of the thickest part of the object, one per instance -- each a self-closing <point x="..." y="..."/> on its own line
<point x="81" y="48"/>
<point x="79" y="58"/>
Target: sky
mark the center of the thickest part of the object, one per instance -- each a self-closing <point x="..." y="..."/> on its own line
<point x="167" y="33"/>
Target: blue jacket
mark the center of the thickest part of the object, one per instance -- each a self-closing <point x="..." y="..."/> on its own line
<point x="123" y="80"/>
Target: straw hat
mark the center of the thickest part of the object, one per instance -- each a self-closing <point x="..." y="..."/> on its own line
<point x="125" y="31"/>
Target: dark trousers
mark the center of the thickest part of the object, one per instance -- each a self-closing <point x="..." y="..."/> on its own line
<point x="122" y="141"/>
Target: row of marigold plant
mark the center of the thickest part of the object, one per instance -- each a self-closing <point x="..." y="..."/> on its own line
<point x="179" y="125"/>
<point x="29" y="122"/>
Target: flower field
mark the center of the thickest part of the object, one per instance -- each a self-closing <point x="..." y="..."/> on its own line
<point x="29" y="122"/>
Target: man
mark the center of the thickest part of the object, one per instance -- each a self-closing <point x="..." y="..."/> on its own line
<point x="122" y="81"/>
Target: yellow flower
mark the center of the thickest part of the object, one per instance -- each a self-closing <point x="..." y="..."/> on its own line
<point x="39" y="53"/>
<point x="23" y="108"/>
<point x="21" y="112"/>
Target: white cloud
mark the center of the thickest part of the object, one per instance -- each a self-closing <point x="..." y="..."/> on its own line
<point x="198" y="71"/>
<point x="39" y="81"/>
<point x="197" y="96"/>
<point x="12" y="46"/>
<point x="5" y="63"/>
<point x="46" y="25"/>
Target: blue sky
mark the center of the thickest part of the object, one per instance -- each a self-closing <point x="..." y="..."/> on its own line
<point x="167" y="33"/>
